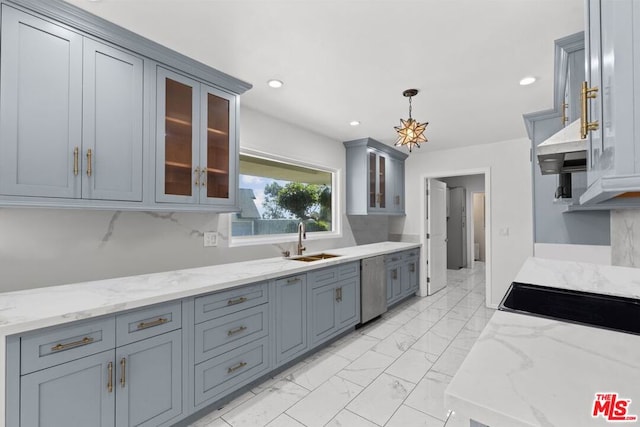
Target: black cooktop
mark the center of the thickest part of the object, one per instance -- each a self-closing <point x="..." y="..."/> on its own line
<point x="603" y="311"/>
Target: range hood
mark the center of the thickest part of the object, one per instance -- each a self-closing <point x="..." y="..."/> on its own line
<point x="563" y="152"/>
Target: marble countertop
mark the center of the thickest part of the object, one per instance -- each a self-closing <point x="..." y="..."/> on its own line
<point x="530" y="371"/>
<point x="37" y="308"/>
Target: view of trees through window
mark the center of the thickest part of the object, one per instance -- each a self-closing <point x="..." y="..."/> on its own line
<point x="276" y="196"/>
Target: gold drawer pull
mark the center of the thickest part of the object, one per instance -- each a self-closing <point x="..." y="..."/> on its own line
<point x="231" y="332"/>
<point x="159" y="321"/>
<point x="586" y="126"/>
<point x="110" y="379"/>
<point x="123" y="372"/>
<point x="236" y="367"/>
<point x="412" y="268"/>
<point x="236" y="301"/>
<point x="83" y="341"/>
<point x="293" y="280"/>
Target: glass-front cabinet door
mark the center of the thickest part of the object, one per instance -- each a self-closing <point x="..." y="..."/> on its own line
<point x="177" y="173"/>
<point x="196" y="142"/>
<point x="218" y="148"/>
<point x="377" y="181"/>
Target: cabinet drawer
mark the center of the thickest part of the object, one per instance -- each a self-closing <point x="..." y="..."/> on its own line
<point x="391" y="258"/>
<point x="330" y="275"/>
<point x="148" y="322"/>
<point x="347" y="271"/>
<point x="54" y="346"/>
<point x="227" y="302"/>
<point x="413" y="253"/>
<point x="223" y="334"/>
<point x="229" y="371"/>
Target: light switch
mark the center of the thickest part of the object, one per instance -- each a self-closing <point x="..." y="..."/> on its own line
<point x="210" y="238"/>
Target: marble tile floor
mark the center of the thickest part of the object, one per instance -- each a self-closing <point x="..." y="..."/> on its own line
<point x="392" y="372"/>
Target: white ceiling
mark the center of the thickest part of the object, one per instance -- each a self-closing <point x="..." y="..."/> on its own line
<point x="344" y="60"/>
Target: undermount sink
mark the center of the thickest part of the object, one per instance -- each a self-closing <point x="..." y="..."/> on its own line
<point x="312" y="258"/>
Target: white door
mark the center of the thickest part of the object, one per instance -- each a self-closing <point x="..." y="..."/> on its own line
<point x="436" y="235"/>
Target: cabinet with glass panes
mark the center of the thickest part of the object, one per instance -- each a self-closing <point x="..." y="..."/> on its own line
<point x="196" y="144"/>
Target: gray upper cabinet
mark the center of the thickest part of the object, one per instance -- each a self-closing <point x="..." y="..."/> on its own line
<point x="71" y="114"/>
<point x="95" y="116"/>
<point x="613" y="57"/>
<point x="112" y="124"/>
<point x="196" y="146"/>
<point x="40" y="106"/>
<point x="375" y="178"/>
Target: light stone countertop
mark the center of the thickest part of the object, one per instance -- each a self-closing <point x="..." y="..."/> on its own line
<point x="37" y="308"/>
<point x="530" y="371"/>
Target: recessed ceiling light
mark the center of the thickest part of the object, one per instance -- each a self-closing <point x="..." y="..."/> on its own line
<point x="275" y="83"/>
<point x="527" y="81"/>
<point x="354" y="123"/>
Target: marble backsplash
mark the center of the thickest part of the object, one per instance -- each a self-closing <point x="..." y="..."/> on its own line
<point x="625" y="237"/>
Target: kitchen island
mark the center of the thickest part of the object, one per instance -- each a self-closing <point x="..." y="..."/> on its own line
<point x="527" y="371"/>
<point x="264" y="293"/>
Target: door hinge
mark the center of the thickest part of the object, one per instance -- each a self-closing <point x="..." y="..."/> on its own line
<point x="428" y="236"/>
<point x="428" y="280"/>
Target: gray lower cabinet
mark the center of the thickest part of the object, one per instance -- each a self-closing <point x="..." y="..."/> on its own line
<point x="402" y="275"/>
<point x="394" y="285"/>
<point x="333" y="306"/>
<point x="71" y="114"/>
<point x="149" y="381"/>
<point x="77" y="393"/>
<point x="290" y="317"/>
<point x="76" y="374"/>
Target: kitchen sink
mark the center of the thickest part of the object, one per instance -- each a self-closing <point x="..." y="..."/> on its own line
<point x="312" y="258"/>
<point x="603" y="311"/>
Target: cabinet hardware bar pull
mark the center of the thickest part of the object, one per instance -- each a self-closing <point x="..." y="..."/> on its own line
<point x="586" y="126"/>
<point x="236" y="301"/>
<point x="123" y="372"/>
<point x="89" y="156"/>
<point x="197" y="174"/>
<point x="231" y="332"/>
<point x="83" y="341"/>
<point x="565" y="119"/>
<point x="236" y="367"/>
<point x="159" y="321"/>
<point x="412" y="268"/>
<point x="293" y="280"/>
<point x="203" y="177"/>
<point x="395" y="273"/>
<point x="76" y="161"/>
<point x="337" y="295"/>
<point x="110" y="379"/>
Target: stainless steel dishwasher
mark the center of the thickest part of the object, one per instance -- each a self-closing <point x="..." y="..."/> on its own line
<point x="373" y="288"/>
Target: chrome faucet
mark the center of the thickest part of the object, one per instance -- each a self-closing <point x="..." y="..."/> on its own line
<point x="302" y="234"/>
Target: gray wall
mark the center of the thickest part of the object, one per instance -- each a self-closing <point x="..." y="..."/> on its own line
<point x="551" y="224"/>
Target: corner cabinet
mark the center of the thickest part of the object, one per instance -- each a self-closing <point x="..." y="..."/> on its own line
<point x="95" y="116"/>
<point x="612" y="61"/>
<point x="375" y="178"/>
<point x="196" y="146"/>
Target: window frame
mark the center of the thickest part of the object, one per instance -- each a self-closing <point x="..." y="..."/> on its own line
<point x="336" y="205"/>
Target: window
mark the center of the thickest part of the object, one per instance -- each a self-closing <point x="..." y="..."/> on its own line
<point x="276" y="195"/>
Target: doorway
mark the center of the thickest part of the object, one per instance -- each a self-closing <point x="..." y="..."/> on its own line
<point x="474" y="218"/>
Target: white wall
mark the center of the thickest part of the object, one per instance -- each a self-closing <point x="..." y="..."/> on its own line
<point x="42" y="247"/>
<point x="510" y="203"/>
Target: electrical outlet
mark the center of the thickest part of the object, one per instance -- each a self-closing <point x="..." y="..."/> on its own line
<point x="210" y="238"/>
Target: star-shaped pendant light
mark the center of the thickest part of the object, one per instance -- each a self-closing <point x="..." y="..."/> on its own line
<point x="410" y="132"/>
